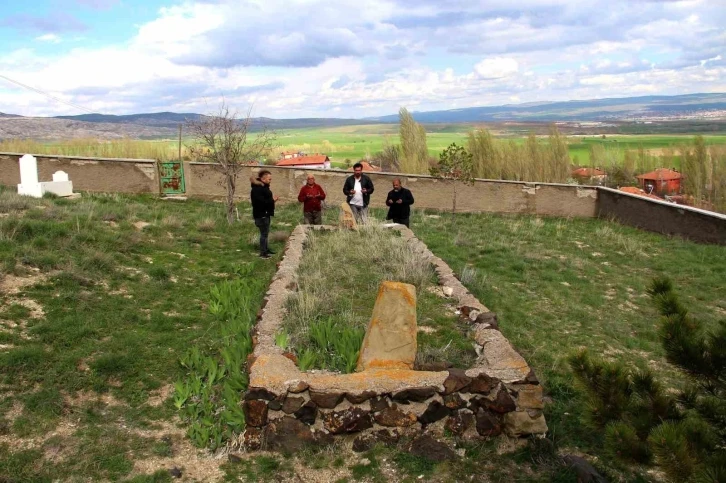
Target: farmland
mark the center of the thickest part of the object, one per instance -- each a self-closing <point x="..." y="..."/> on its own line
<point x="361" y="141"/>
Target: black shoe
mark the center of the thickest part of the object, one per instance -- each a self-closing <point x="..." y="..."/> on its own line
<point x="264" y="255"/>
<point x="270" y="252"/>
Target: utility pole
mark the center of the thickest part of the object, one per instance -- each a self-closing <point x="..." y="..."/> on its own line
<point x="180" y="134"/>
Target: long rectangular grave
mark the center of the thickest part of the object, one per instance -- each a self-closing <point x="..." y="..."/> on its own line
<point x="385" y="398"/>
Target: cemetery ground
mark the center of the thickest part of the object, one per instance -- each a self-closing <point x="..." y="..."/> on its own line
<point x="100" y="298"/>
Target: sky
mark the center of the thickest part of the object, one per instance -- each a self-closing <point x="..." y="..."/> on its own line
<point x="349" y="58"/>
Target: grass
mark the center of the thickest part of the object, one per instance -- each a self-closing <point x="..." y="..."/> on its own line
<point x="90" y="347"/>
<point x="337" y="293"/>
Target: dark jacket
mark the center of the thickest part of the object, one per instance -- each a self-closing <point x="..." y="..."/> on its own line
<point x="316" y="196"/>
<point x="399" y="211"/>
<point x="263" y="204"/>
<point x="365" y="183"/>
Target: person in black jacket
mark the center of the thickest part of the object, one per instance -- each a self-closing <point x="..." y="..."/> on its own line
<point x="263" y="207"/>
<point x="358" y="190"/>
<point x="399" y="201"/>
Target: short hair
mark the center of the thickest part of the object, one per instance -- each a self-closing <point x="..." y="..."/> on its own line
<point x="262" y="173"/>
<point x="396" y="179"/>
<point x="309" y="175"/>
<point x="357" y="165"/>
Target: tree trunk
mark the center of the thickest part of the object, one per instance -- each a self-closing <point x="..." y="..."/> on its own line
<point x="231" y="187"/>
<point x="453" y="206"/>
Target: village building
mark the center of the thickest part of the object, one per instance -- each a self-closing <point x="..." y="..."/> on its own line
<point x="590" y="175"/>
<point x="634" y="190"/>
<point x="315" y="161"/>
<point x="662" y="181"/>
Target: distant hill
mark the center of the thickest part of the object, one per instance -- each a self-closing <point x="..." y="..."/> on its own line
<point x="691" y="107"/>
<point x="627" y="108"/>
<point x="173" y="119"/>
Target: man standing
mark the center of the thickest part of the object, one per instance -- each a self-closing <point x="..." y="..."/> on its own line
<point x="399" y="201"/>
<point x="311" y="196"/>
<point x="358" y="190"/>
<point x="263" y="207"/>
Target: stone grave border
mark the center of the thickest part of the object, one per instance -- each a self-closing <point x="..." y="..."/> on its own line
<point x="287" y="409"/>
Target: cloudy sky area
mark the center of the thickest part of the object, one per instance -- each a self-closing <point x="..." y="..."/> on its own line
<point x="351" y="58"/>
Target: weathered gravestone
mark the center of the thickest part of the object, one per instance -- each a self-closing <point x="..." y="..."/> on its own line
<point x="390" y="341"/>
<point x="347" y="220"/>
<point x="30" y="186"/>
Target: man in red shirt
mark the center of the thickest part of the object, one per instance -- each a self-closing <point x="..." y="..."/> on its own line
<point x="311" y="195"/>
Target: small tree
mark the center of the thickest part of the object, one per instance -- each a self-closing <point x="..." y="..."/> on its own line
<point x="224" y="140"/>
<point x="456" y="164"/>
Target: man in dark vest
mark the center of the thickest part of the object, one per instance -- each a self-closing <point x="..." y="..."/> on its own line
<point x="399" y="203"/>
<point x="358" y="190"/>
<point x="263" y="207"/>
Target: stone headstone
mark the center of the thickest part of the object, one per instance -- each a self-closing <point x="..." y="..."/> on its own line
<point x="347" y="220"/>
<point x="390" y="341"/>
<point x="60" y="176"/>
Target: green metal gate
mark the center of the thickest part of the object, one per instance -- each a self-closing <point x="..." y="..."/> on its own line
<point x="171" y="175"/>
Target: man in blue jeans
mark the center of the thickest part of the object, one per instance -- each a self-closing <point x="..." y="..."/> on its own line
<point x="263" y="207"/>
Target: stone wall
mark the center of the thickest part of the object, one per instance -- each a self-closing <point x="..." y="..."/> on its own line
<point x="89" y="174"/>
<point x="662" y="217"/>
<point x="286" y="407"/>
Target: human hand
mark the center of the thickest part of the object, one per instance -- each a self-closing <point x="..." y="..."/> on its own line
<point x="364" y="191"/>
<point x="275" y="198"/>
<point x="389" y="201"/>
<point x="309" y="195"/>
<point x="399" y="201"/>
<point x="352" y="192"/>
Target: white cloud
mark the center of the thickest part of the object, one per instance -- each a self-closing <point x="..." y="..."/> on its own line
<point x="496" y="68"/>
<point x="52" y="38"/>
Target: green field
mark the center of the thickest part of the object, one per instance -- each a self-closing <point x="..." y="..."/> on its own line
<point x="362" y="141"/>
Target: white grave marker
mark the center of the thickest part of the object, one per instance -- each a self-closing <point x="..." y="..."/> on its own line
<point x="30" y="186"/>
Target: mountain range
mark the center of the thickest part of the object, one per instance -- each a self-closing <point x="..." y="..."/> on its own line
<point x="165" y="124"/>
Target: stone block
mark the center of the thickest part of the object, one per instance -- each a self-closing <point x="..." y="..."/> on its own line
<point x="435" y="412"/>
<point x="520" y="423"/>
<point x="350" y="420"/>
<point x="255" y="412"/>
<point x="394" y="417"/>
<point x="459" y="422"/>
<point x="326" y="400"/>
<point x="529" y="396"/>
<point x="390" y="341"/>
<point x="288" y="435"/>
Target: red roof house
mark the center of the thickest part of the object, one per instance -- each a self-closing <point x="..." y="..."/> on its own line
<point x="662" y="181"/>
<point x="317" y="161"/>
<point x="633" y="190"/>
<point x="367" y="167"/>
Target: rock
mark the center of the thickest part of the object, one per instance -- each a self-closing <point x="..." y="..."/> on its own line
<point x="233" y="458"/>
<point x="350" y="420"/>
<point x="459" y="422"/>
<point x="529" y="396"/>
<point x="416" y="394"/>
<point x="448" y="291"/>
<point x="435" y="412"/>
<point x="274" y="405"/>
<point x="390" y="340"/>
<point x="379" y="403"/>
<point x="488" y="318"/>
<point x="259" y="393"/>
<point x="394" y="417"/>
<point x="456" y="381"/>
<point x="482" y="384"/>
<point x="360" y="398"/>
<point x="326" y="400"/>
<point x="488" y="424"/>
<point x="454" y="401"/>
<point x="252" y="438"/>
<point x="288" y="435"/>
<point x="292" y="404"/>
<point x="290" y="356"/>
<point x="586" y="473"/>
<point x="255" y="412"/>
<point x="427" y="447"/>
<point x="307" y="413"/>
<point x="175" y="472"/>
<point x="140" y="225"/>
<point x="503" y="403"/>
<point x="434" y="366"/>
<point x="519" y="423"/>
<point x="298" y="387"/>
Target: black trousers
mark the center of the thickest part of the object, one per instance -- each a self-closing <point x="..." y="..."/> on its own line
<point x="403" y="221"/>
<point x="264" y="225"/>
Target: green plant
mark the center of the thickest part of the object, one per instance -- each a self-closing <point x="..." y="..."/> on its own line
<point x="307" y="359"/>
<point x="282" y="339"/>
<point x="456" y="164"/>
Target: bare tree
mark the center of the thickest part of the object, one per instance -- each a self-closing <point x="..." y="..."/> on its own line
<point x="224" y="140"/>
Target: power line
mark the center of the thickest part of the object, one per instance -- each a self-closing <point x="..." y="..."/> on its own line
<point x="50" y="96"/>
